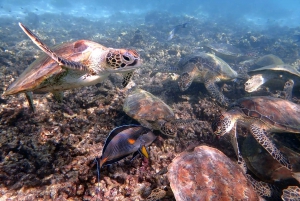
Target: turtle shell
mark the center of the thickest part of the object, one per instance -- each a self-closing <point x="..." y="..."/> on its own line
<point x="45" y="67"/>
<point x="274" y="67"/>
<point x="209" y="64"/>
<point x="224" y="49"/>
<point x="144" y="106"/>
<point x="277" y="113"/>
<point x="269" y="59"/>
<point x="208" y="174"/>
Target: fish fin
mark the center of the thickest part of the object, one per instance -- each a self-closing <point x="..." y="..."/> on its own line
<point x="171" y="34"/>
<point x="296" y="175"/>
<point x="102" y="161"/>
<point x="143" y="151"/>
<point x="135" y="154"/>
<point x="98" y="175"/>
<point x="115" y="132"/>
<point x="61" y="61"/>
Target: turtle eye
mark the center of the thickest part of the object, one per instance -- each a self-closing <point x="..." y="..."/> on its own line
<point x="126" y="58"/>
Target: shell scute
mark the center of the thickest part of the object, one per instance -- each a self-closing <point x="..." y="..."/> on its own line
<point x="44" y="67"/>
<point x="273" y="111"/>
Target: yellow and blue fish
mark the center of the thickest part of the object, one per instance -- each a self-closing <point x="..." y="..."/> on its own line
<point x="125" y="140"/>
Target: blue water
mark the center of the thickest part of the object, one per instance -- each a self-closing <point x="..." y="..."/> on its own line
<point x="256" y="13"/>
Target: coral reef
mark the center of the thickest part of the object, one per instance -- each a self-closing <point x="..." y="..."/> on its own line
<point x="49" y="154"/>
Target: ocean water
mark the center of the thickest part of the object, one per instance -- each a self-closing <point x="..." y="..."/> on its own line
<point x="251" y="13"/>
<point x="38" y="151"/>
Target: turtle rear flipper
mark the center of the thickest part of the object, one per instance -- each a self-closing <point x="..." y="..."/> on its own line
<point x="261" y="137"/>
<point x="215" y="92"/>
<point x="292" y="193"/>
<point x="61" y="61"/>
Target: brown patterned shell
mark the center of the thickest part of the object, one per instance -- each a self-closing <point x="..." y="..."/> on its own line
<point x="206" y="62"/>
<point x="44" y="67"/>
<point x="276" y="67"/>
<point x="208" y="174"/>
<point x="142" y="105"/>
<point x="277" y="113"/>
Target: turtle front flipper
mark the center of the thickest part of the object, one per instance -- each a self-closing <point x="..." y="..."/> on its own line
<point x="234" y="142"/>
<point x="58" y="95"/>
<point x="263" y="189"/>
<point x="261" y="137"/>
<point x="61" y="61"/>
<point x="288" y="89"/>
<point x="28" y="95"/>
<point x="291" y="193"/>
<point x="126" y="78"/>
<point x="215" y="92"/>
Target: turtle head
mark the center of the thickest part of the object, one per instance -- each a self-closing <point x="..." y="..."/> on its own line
<point x="224" y="124"/>
<point x="122" y="60"/>
<point x="254" y="82"/>
<point x="185" y="81"/>
<point x="168" y="128"/>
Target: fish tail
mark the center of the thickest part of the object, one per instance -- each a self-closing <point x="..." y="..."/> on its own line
<point x="98" y="175"/>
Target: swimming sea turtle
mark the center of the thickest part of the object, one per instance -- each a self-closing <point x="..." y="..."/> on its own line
<point x="72" y="65"/>
<point x="262" y="75"/>
<point x="266" y="169"/>
<point x="151" y="112"/>
<point x="208" y="69"/>
<point x="261" y="115"/>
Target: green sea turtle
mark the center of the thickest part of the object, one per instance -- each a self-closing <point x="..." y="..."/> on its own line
<point x="152" y="112"/>
<point x="72" y="65"/>
<point x="261" y="115"/>
<point x="208" y="69"/>
<point x="284" y="72"/>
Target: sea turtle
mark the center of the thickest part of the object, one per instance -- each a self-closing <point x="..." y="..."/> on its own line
<point x="151" y="112"/>
<point x="208" y="69"/>
<point x="284" y="72"/>
<point x="226" y="51"/>
<point x="266" y="169"/>
<point x="269" y="59"/>
<point x="72" y="65"/>
<point x="261" y="115"/>
<point x="208" y="174"/>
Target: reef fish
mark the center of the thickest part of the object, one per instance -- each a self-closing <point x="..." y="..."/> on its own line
<point x="175" y="29"/>
<point x="125" y="140"/>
